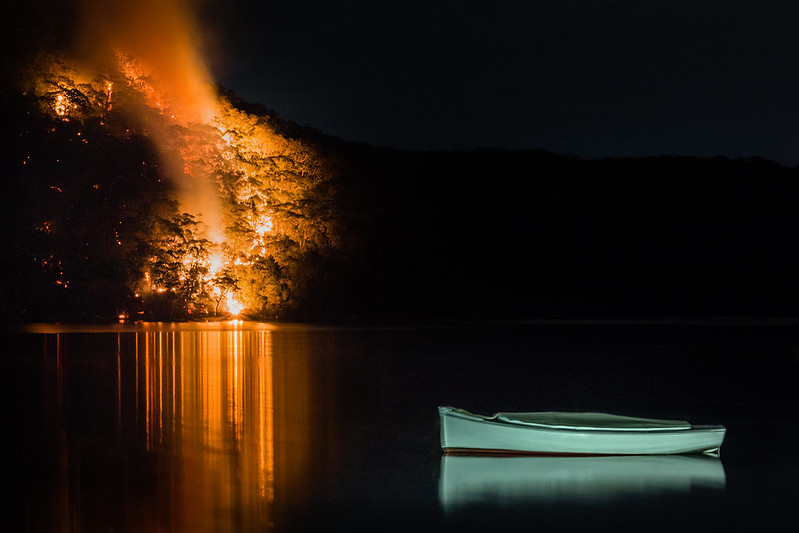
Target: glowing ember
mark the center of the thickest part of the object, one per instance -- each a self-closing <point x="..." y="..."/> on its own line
<point x="61" y="105"/>
<point x="234" y="306"/>
<point x="109" y="88"/>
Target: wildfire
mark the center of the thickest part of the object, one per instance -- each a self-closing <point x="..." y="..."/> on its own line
<point x="246" y="184"/>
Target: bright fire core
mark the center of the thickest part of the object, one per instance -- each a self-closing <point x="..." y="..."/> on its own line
<point x="233" y="306"/>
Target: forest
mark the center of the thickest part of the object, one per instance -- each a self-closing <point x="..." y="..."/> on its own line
<point x="113" y="209"/>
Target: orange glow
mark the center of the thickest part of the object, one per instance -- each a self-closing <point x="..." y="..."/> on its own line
<point x="155" y="45"/>
<point x="263" y="225"/>
<point x="209" y="394"/>
<point x="197" y="192"/>
<point x="215" y="264"/>
<point x="233" y="305"/>
<point x="225" y="413"/>
<point x="163" y="37"/>
<point x="244" y="182"/>
<point x="61" y="105"/>
<point x="109" y="89"/>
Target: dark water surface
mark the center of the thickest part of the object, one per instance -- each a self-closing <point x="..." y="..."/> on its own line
<point x="257" y="427"/>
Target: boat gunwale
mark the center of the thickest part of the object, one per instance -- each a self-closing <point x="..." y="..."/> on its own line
<point x="533" y="426"/>
<point x="492" y="452"/>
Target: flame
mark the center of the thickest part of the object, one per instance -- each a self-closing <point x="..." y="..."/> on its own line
<point x="215" y="264"/>
<point x="109" y="90"/>
<point x="263" y="225"/>
<point x="233" y="305"/>
<point x="61" y="105"/>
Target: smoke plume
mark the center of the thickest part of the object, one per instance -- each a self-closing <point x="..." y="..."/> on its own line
<point x="164" y="40"/>
<point x="163" y="37"/>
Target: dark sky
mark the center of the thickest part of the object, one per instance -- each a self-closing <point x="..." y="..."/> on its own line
<point x="591" y="78"/>
<point x="585" y="77"/>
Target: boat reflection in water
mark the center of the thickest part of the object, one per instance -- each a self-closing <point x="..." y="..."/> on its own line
<point x="468" y="479"/>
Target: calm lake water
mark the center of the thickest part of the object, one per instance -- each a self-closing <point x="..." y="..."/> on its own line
<point x="257" y="427"/>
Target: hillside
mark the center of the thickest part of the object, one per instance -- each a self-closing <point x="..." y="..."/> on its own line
<point x="317" y="228"/>
<point x="533" y="234"/>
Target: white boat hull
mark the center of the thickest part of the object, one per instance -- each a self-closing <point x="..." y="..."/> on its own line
<point x="463" y="432"/>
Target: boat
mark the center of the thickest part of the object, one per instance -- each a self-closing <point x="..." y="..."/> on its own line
<point x="573" y="433"/>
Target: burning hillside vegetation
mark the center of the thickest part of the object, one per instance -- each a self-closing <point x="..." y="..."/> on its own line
<point x="160" y="212"/>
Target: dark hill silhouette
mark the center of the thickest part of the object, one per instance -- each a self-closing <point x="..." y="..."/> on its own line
<point x="493" y="233"/>
<point x="533" y="234"/>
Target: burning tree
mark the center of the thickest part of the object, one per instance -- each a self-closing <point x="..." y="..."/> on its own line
<point x="178" y="280"/>
<point x="278" y="206"/>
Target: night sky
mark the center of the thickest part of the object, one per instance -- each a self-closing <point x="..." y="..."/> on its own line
<point x="591" y="78"/>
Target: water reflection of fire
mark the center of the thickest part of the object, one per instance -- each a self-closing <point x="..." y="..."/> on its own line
<point x="222" y="414"/>
<point x="214" y="394"/>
